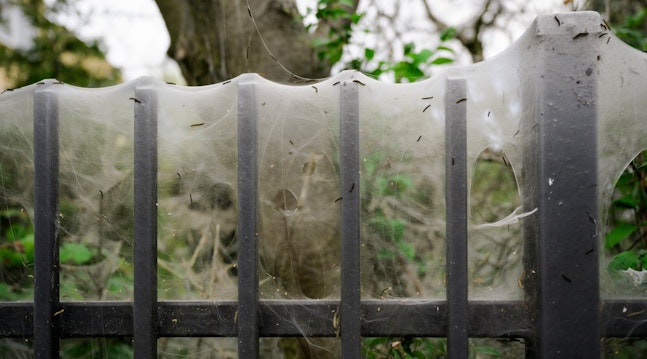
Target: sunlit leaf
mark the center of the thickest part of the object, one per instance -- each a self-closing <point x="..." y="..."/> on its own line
<point x="422" y="56"/>
<point x="442" y="60"/>
<point x="445" y="48"/>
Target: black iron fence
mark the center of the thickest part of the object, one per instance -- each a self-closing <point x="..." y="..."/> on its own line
<point x="563" y="95"/>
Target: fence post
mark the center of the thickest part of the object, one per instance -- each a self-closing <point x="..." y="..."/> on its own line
<point x="350" y="308"/>
<point x="145" y="321"/>
<point x="560" y="181"/>
<point x="248" y="296"/>
<point x="46" y="241"/>
<point x="456" y="217"/>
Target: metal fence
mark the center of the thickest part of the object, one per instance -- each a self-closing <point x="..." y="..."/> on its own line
<point x="578" y="90"/>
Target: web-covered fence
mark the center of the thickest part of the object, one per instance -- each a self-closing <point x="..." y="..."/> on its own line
<point x="299" y="194"/>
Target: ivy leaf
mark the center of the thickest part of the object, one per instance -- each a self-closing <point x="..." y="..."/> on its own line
<point x="618" y="234"/>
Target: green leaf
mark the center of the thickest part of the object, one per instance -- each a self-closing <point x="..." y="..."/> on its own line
<point x="624" y="261"/>
<point x="75" y="253"/>
<point x="448" y="34"/>
<point x="422" y="56"/>
<point x="442" y="60"/>
<point x="407" y="70"/>
<point x="618" y="234"/>
<point x="444" y="48"/>
<point x="628" y="201"/>
<point x="334" y="55"/>
<point x="369" y="53"/>
<point x="347" y="2"/>
<point x="408" y="48"/>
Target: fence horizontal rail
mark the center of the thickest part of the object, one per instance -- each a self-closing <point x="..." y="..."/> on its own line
<point x="620" y="318"/>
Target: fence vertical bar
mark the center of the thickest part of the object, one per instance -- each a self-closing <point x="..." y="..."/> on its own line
<point x="46" y="241"/>
<point x="248" y="310"/>
<point x="561" y="183"/>
<point x="456" y="217"/>
<point x="350" y="308"/>
<point x="145" y="226"/>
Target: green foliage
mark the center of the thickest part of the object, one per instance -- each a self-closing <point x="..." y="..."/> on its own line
<point x="627" y="237"/>
<point x="335" y="14"/>
<point x="108" y="348"/>
<point x="619" y="234"/>
<point x="74" y="253"/>
<point x="623" y="348"/>
<point x="16" y="254"/>
<point x="412" y="67"/>
<point x="628" y="218"/>
<point x="55" y="53"/>
<point x="16" y="239"/>
<point x="631" y="30"/>
<point x="626" y="260"/>
<point x="376" y="185"/>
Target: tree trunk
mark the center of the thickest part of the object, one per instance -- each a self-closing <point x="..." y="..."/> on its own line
<point x="215" y="40"/>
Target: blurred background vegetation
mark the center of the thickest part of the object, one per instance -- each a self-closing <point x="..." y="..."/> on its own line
<point x="290" y="43"/>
